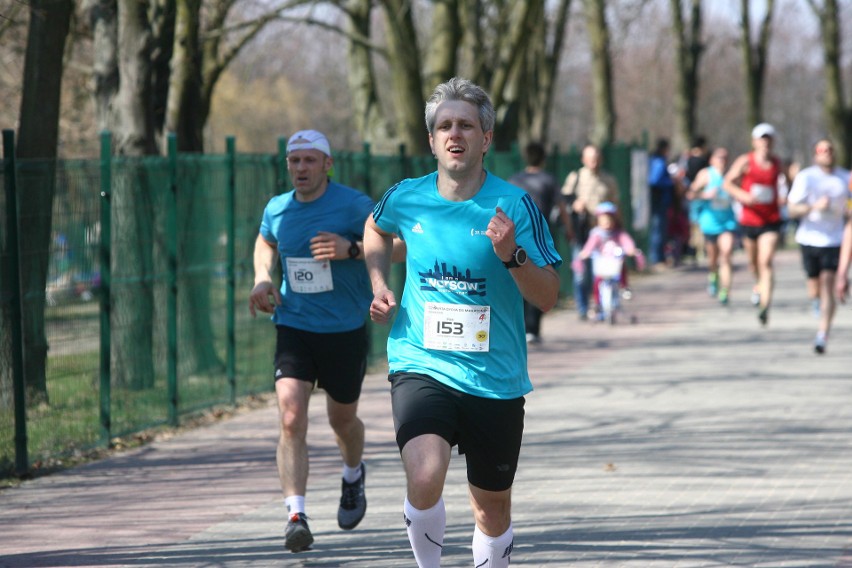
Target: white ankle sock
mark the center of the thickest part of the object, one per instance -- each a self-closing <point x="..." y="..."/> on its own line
<point x="492" y="551"/>
<point x="426" y="532"/>
<point x="351" y="474"/>
<point x="295" y="504"/>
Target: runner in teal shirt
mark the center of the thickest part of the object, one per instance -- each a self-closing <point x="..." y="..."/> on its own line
<point x="451" y="262"/>
<point x="477" y="247"/>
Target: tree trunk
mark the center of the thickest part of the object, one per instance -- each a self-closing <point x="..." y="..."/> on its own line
<point x="369" y="118"/>
<point x="474" y="54"/>
<point x="184" y="96"/>
<point x="688" y="48"/>
<point x="838" y="114"/>
<point x="133" y="307"/>
<point x="508" y="75"/>
<point x="754" y="58"/>
<point x="37" y="140"/>
<point x="603" y="129"/>
<point x="407" y="84"/>
<point x="441" y="60"/>
<point x="132" y="235"/>
<point x="543" y="61"/>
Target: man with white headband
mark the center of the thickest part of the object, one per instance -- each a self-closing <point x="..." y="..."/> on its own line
<point x="319" y="312"/>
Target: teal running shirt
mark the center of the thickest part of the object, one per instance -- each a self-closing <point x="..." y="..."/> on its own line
<point x="323" y="297"/>
<point x="716" y="215"/>
<point x="461" y="317"/>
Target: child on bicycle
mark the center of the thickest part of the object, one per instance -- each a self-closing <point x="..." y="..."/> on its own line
<point x="609" y="239"/>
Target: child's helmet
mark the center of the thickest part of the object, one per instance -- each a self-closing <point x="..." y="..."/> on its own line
<point x="606" y="208"/>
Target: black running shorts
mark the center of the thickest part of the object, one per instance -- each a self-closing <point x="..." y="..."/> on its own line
<point x="336" y="362"/>
<point x="488" y="431"/>
<point x="817" y="259"/>
<point x="754" y="232"/>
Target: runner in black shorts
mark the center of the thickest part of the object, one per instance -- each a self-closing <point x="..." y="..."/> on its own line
<point x="487" y="431"/>
<point x="754" y="233"/>
<point x="336" y="362"/>
<point x="817" y="259"/>
<point x="477" y="248"/>
<point x="819" y="199"/>
<point x="319" y="310"/>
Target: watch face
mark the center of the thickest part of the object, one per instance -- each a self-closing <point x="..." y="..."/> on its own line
<point x="520" y="256"/>
<point x="354" y="250"/>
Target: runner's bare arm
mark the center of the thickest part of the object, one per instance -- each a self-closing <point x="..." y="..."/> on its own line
<point x="265" y="295"/>
<point x="378" y="254"/>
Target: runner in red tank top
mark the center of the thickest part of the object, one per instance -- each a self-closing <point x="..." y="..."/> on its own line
<point x="753" y="182"/>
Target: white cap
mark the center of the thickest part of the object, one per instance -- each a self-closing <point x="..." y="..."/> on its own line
<point x="763" y="129"/>
<point x="309" y="140"/>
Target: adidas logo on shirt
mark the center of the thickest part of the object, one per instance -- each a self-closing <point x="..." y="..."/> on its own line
<point x="417" y="229"/>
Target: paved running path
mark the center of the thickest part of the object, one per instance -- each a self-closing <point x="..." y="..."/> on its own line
<point x="694" y="438"/>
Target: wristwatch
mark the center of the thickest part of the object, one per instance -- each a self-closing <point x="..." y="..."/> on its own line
<point x="519" y="258"/>
<point x="354" y="249"/>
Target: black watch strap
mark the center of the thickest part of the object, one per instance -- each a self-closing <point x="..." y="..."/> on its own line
<point x="519" y="258"/>
<point x="354" y="249"/>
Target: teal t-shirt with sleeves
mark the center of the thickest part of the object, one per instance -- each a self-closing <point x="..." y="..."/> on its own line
<point x="461" y="316"/>
<point x="328" y="296"/>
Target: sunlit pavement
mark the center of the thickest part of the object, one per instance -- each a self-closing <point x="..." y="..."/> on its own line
<point x="693" y="438"/>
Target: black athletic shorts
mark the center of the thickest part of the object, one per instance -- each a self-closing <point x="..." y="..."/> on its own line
<point x="817" y="259"/>
<point x="754" y="232"/>
<point x="488" y="431"/>
<point x="336" y="362"/>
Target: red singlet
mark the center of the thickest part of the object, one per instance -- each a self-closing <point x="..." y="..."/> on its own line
<point x="762" y="184"/>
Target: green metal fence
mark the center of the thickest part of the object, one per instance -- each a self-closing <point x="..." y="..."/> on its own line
<point x="150" y="265"/>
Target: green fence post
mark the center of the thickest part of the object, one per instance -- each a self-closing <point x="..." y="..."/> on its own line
<point x="281" y="182"/>
<point x="231" y="144"/>
<point x="368" y="177"/>
<point x="105" y="257"/>
<point x="22" y="462"/>
<point x="171" y="278"/>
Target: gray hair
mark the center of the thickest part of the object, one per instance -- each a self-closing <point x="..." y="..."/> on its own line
<point x="458" y="89"/>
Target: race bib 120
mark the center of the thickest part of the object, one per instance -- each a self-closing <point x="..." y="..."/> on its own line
<point x="309" y="276"/>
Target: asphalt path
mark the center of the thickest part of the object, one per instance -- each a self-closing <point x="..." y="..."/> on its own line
<point x="693" y="438"/>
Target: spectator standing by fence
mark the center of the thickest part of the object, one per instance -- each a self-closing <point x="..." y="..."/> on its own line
<point x="662" y="188"/>
<point x="456" y="353"/>
<point x="819" y="198"/>
<point x="584" y="190"/>
<point x="319" y="314"/>
<point x="544" y="189"/>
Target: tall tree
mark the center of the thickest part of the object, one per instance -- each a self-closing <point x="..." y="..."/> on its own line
<point x="505" y="70"/>
<point x="755" y="57"/>
<point x="124" y="94"/>
<point x="603" y="129"/>
<point x="38" y="135"/>
<point x="442" y="55"/>
<point x="838" y="112"/>
<point x="157" y="64"/>
<point x="406" y="73"/>
<point x="688" y="48"/>
<point x="370" y="121"/>
<point x="541" y="69"/>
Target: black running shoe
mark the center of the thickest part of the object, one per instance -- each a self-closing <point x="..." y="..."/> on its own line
<point x="297" y="535"/>
<point x="353" y="502"/>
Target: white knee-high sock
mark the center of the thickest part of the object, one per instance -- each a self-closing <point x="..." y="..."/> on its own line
<point x="492" y="551"/>
<point x="426" y="532"/>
